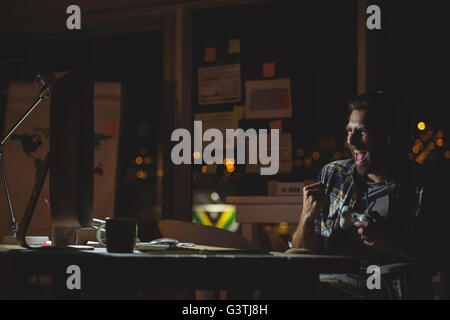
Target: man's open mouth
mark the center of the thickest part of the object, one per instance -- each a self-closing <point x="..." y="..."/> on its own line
<point x="360" y="156"/>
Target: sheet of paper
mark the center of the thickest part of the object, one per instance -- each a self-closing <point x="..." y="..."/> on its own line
<point x="285" y="155"/>
<point x="219" y="84"/>
<point x="217" y="120"/>
<point x="268" y="99"/>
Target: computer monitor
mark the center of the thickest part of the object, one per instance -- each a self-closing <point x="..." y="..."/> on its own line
<point x="71" y="155"/>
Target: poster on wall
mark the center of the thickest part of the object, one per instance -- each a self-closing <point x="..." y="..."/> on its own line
<point x="217" y="120"/>
<point x="268" y="99"/>
<point x="219" y="84"/>
<point x="27" y="148"/>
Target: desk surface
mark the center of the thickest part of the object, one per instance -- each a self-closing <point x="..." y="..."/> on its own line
<point x="321" y="263"/>
<point x="172" y="270"/>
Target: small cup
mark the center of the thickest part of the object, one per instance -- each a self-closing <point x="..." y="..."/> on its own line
<point x="121" y="235"/>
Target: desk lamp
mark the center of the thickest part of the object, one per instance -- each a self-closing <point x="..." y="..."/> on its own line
<point x="46" y="81"/>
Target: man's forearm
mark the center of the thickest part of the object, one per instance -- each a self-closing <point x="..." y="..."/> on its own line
<point x="305" y="235"/>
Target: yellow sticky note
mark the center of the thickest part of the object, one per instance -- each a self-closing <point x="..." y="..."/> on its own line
<point x="210" y="54"/>
<point x="238" y="112"/>
<point x="276" y="124"/>
<point x="269" y="69"/>
<point x="234" y="46"/>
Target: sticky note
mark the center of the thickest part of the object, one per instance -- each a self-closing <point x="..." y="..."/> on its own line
<point x="269" y="69"/>
<point x="234" y="46"/>
<point x="276" y="124"/>
<point x="238" y="112"/>
<point x="110" y="128"/>
<point x="210" y="54"/>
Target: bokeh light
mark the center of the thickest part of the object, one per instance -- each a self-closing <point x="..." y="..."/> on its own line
<point x="337" y="155"/>
<point x="147" y="160"/>
<point x="196" y="155"/>
<point x="421" y="126"/>
<point x="139" y="160"/>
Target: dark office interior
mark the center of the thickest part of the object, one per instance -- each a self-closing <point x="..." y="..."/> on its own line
<point x="154" y="50"/>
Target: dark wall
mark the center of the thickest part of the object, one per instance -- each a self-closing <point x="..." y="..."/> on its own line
<point x="412" y="62"/>
<point x="314" y="44"/>
<point x="412" y="56"/>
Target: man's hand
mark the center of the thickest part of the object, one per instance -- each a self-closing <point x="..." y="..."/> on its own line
<point x="372" y="235"/>
<point x="314" y="200"/>
<point x="371" y="232"/>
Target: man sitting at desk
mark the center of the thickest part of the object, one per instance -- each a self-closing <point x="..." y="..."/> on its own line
<point x="375" y="205"/>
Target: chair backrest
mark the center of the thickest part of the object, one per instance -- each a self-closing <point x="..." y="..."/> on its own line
<point x="202" y="235"/>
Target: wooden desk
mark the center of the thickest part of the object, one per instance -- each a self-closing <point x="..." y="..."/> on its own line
<point x="43" y="274"/>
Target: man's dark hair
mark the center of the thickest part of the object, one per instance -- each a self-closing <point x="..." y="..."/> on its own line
<point x="386" y="114"/>
<point x="378" y="105"/>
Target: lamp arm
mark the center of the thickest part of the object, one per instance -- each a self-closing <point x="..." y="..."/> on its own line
<point x="14" y="226"/>
<point x="43" y="94"/>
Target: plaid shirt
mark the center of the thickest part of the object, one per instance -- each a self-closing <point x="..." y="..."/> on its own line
<point x="405" y="205"/>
